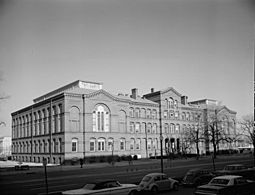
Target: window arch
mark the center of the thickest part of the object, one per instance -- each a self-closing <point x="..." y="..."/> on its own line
<point x="101" y="118"/>
<point x="74" y="119"/>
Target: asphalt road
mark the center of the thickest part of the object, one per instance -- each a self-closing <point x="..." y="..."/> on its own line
<point x="66" y="178"/>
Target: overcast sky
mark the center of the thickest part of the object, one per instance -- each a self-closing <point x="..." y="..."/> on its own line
<point x="202" y="48"/>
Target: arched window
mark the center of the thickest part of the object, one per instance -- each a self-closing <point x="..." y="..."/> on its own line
<point x="101" y="144"/>
<point x="131" y="112"/>
<point x="137" y="127"/>
<point x="154" y="128"/>
<point x="143" y="128"/>
<point x="155" y="143"/>
<point x="74" y="119"/>
<point x="143" y="113"/>
<point x="172" y="127"/>
<point x="187" y="116"/>
<point x="122" y="121"/>
<point x="166" y="128"/>
<point x="132" y="143"/>
<point x="132" y="127"/>
<point x="122" y="144"/>
<point x="171" y="102"/>
<point x="60" y="118"/>
<point x="138" y="144"/>
<point x="148" y="113"/>
<point x="149" y="144"/>
<point x="60" y="148"/>
<point x="177" y="128"/>
<point x="137" y="112"/>
<point x="74" y="145"/>
<point x="154" y="114"/>
<point x="101" y="118"/>
<point x="149" y="127"/>
<point x="175" y="104"/>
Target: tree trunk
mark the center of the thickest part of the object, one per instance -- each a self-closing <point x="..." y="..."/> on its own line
<point x="254" y="153"/>
<point x="197" y="151"/>
<point x="214" y="150"/>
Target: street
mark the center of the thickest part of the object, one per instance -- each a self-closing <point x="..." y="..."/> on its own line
<point x="61" y="179"/>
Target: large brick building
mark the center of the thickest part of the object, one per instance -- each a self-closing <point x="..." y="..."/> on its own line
<point x="81" y="119"/>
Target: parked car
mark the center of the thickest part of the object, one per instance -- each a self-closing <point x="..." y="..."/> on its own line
<point x="155" y="182"/>
<point x="109" y="187"/>
<point x="227" y="185"/>
<point x="237" y="169"/>
<point x="196" y="177"/>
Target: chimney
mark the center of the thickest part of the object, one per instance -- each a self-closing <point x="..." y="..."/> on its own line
<point x="184" y="100"/>
<point x="134" y="93"/>
<point x="152" y="90"/>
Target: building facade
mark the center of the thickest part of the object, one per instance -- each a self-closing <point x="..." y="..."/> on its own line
<point x="81" y="119"/>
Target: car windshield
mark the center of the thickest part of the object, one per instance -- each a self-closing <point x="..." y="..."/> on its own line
<point x="146" y="178"/>
<point x="219" y="181"/>
<point x="89" y="186"/>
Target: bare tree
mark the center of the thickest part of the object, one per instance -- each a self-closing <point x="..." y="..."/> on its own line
<point x="195" y="136"/>
<point x="248" y="131"/>
<point x="216" y="133"/>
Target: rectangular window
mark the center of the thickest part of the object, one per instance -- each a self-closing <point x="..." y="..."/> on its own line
<point x="74" y="146"/>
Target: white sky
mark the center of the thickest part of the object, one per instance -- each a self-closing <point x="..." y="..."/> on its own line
<point x="202" y="48"/>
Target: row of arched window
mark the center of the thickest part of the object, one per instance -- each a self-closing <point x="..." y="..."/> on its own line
<point x="38" y="122"/>
<point x="122" y="144"/>
<point x="37" y="159"/>
<point x="171" y="103"/>
<point x="38" y="146"/>
<point x="143" y="113"/>
<point x="187" y="116"/>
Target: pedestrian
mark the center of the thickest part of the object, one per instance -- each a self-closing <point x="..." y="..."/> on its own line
<point x="81" y="162"/>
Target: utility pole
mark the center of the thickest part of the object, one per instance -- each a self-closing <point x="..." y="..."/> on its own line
<point x="161" y="136"/>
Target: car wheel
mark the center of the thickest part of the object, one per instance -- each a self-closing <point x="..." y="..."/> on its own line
<point x="176" y="187"/>
<point x="133" y="192"/>
<point x="154" y="190"/>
